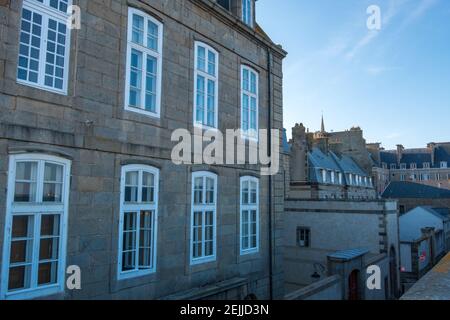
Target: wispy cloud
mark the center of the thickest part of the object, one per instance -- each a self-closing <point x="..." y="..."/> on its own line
<point x="420" y="10"/>
<point x="377" y="70"/>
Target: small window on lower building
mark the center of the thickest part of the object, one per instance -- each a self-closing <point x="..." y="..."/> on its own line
<point x="303" y="237"/>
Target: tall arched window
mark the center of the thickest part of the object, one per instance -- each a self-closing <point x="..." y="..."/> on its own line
<point x="36" y="226"/>
<point x="203" y="217"/>
<point x="144" y="64"/>
<point x="138" y="221"/>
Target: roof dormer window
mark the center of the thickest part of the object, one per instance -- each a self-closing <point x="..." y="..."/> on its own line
<point x="426" y="165"/>
<point x="403" y="166"/>
<point x="413" y="166"/>
<point x="393" y="166"/>
<point x="444" y="164"/>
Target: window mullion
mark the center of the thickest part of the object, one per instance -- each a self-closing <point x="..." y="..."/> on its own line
<point x="43" y="51"/>
<point x="40" y="181"/>
<point x="203" y="232"/>
<point x="35" y="251"/>
<point x="138" y="223"/>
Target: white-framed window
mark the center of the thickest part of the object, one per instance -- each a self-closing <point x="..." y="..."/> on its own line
<point x="304" y="237"/>
<point x="206" y="86"/>
<point x="44" y="45"/>
<point x="444" y="164"/>
<point x="144" y="64"/>
<point x="247" y="12"/>
<point x="403" y="177"/>
<point x="426" y="165"/>
<point x="249" y="102"/>
<point x="393" y="166"/>
<point x="249" y="238"/>
<point x="203" y="217"/>
<point x="413" y="166"/>
<point x="340" y="178"/>
<point x="332" y="177"/>
<point x="384" y="165"/>
<point x="138" y="225"/>
<point x="34" y="251"/>
<point x="403" y="166"/>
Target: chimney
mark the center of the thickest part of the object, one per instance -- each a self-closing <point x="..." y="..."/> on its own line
<point x="432" y="148"/>
<point x="400" y="149"/>
<point x="299" y="153"/>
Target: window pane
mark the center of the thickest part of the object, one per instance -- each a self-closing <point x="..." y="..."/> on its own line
<point x="211" y="63"/>
<point x="135" y="78"/>
<point x="198" y="190"/>
<point x="25" y="188"/>
<point x="50" y="225"/>
<point x="19" y="277"/>
<point x="211" y="103"/>
<point x="245" y="192"/>
<point x="145" y="240"/>
<point x="253" y="192"/>
<point x="48" y="273"/>
<point x="55" y="57"/>
<point x="200" y="103"/>
<point x="150" y="85"/>
<point x="209" y="191"/>
<point x="21" y="252"/>
<point x="152" y="39"/>
<point x="201" y="58"/>
<point x="138" y="30"/>
<point x="131" y="186"/>
<point x="129" y="241"/>
<point x="29" y="49"/>
<point x="253" y="82"/>
<point x="148" y="190"/>
<point x="245" y="111"/>
<point x="253" y="114"/>
<point x="53" y="178"/>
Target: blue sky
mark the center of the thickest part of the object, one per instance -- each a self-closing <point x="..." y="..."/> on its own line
<point x="393" y="83"/>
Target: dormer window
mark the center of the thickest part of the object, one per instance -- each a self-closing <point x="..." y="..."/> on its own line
<point x="426" y="165"/>
<point x="247" y="12"/>
<point x="384" y="165"/>
<point x="393" y="166"/>
<point x="413" y="166"/>
<point x="403" y="166"/>
<point x="444" y="165"/>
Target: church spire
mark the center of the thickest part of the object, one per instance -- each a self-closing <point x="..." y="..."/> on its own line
<point x="322" y="129"/>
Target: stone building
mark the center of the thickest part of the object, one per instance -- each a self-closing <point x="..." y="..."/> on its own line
<point x="335" y="228"/>
<point x="429" y="166"/>
<point x="321" y="169"/>
<point x="86" y="118"/>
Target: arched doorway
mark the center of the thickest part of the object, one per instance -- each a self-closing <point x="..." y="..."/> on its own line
<point x="393" y="272"/>
<point x="353" y="285"/>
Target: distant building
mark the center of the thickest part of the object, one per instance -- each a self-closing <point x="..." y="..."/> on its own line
<point x="428" y="166"/>
<point x="424" y="240"/>
<point x="411" y="195"/>
<point x="323" y="165"/>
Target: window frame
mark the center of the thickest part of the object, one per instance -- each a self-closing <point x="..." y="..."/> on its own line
<point x="47" y="13"/>
<point x="203" y="207"/>
<point x="247" y="135"/>
<point x="138" y="207"/>
<point x="307" y="232"/>
<point x="36" y="209"/>
<point x="145" y="51"/>
<point x="207" y="77"/>
<point x="444" y="165"/>
<point x="249" y="207"/>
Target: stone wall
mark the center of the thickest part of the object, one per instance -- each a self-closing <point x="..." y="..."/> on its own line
<point x="91" y="127"/>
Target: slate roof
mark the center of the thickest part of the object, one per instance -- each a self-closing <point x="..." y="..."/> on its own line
<point x="350" y="254"/>
<point x="318" y="159"/>
<point x="388" y="158"/>
<point x="437" y="212"/>
<point x="348" y="165"/>
<point x="417" y="158"/>
<point x="404" y="189"/>
<point x="441" y="155"/>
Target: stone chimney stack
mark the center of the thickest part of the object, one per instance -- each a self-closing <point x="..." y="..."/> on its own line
<point x="299" y="154"/>
<point x="432" y="148"/>
<point x="400" y="150"/>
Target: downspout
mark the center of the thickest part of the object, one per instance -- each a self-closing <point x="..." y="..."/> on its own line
<point x="269" y="127"/>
